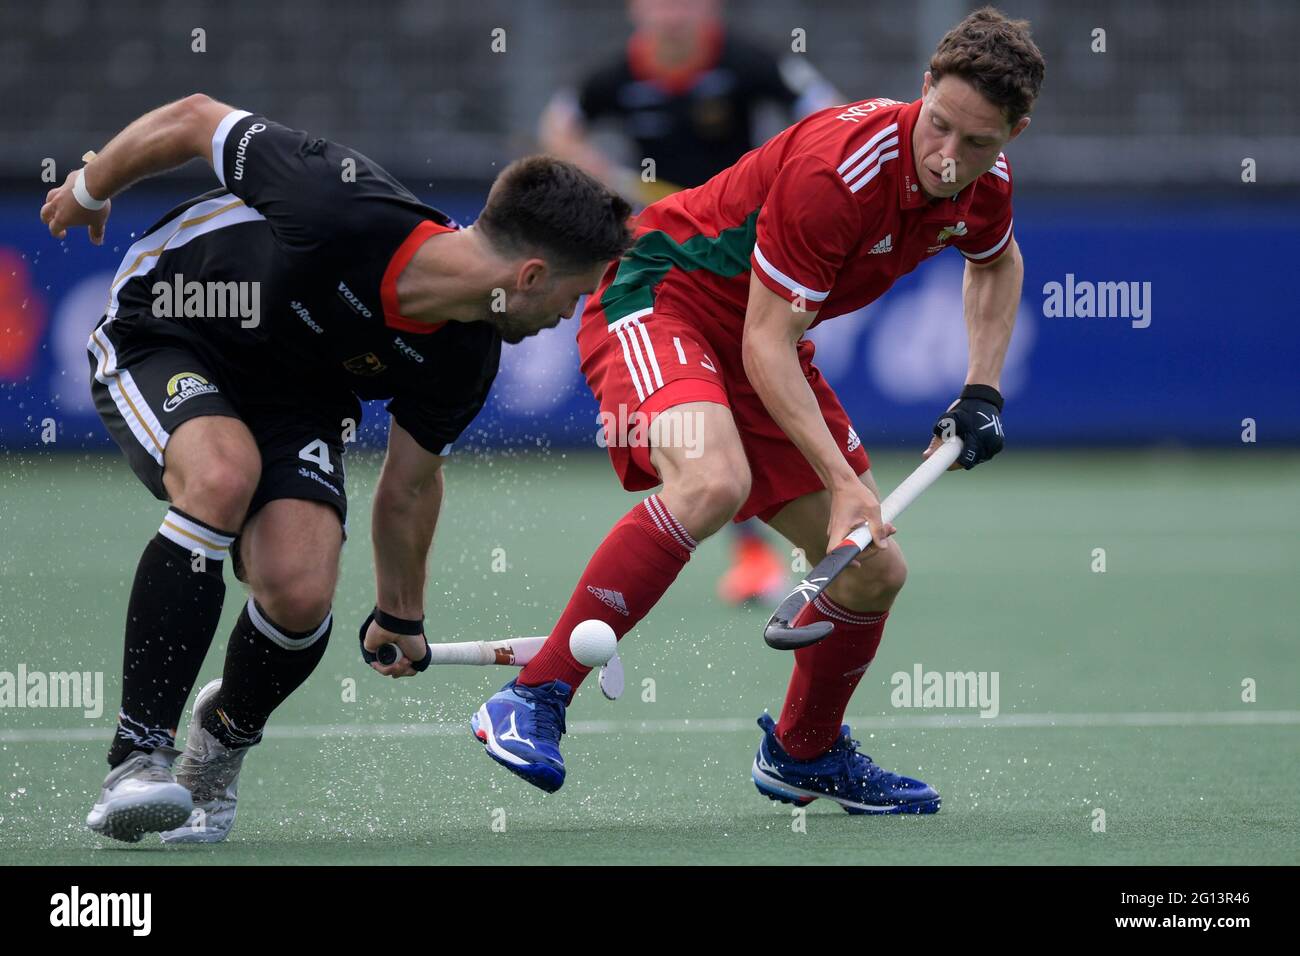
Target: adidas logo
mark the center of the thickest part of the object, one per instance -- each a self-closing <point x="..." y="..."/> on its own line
<point x="611" y="599"/>
<point x="853" y="442"/>
<point x="883" y="246"/>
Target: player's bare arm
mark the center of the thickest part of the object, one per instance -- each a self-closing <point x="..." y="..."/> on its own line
<point x="990" y="296"/>
<point x="772" y="329"/>
<point x="157" y="142"/>
<point x="403" y="518"/>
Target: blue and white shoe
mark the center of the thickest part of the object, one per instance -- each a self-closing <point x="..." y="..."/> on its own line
<point x="520" y="728"/>
<point x="841" y="774"/>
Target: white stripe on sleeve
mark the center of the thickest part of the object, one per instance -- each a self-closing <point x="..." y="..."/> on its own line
<point x="784" y="280"/>
<point x="219" y="140"/>
<point x="1001" y="242"/>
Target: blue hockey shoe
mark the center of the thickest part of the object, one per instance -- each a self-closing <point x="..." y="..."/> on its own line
<point x="520" y="728"/>
<point x="841" y="774"/>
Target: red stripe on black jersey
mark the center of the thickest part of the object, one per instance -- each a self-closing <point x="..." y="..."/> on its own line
<point x="393" y="317"/>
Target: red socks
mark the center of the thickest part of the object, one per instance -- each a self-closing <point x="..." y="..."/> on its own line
<point x="825" y="676"/>
<point x="633" y="567"/>
<point x="630" y="571"/>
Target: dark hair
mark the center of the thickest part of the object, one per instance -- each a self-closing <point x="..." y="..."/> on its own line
<point x="544" y="206"/>
<point x="995" y="55"/>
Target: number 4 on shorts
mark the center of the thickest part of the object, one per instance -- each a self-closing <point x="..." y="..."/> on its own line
<point x="318" y="454"/>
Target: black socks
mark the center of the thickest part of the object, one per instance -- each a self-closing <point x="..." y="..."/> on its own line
<point x="172" y="615"/>
<point x="264" y="665"/>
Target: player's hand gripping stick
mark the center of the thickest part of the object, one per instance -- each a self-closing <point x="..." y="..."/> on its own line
<point x="389" y="654"/>
<point x="589" y="643"/>
<point x="780" y="632"/>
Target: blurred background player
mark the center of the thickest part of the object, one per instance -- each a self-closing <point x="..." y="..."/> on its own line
<point x="693" y="95"/>
<point x="240" y="421"/>
<point x="705" y="317"/>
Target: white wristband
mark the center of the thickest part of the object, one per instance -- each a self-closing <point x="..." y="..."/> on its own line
<point x="83" y="195"/>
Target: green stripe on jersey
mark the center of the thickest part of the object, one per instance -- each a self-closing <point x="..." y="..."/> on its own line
<point x="654" y="254"/>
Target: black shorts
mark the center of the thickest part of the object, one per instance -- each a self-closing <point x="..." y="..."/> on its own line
<point x="148" y="375"/>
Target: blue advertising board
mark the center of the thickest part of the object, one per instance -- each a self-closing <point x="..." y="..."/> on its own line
<point x="1141" y="322"/>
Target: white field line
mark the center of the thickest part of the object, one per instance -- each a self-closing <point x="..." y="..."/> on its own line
<point x="1222" y="718"/>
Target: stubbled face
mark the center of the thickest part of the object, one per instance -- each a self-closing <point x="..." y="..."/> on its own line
<point x="544" y="304"/>
<point x="958" y="124"/>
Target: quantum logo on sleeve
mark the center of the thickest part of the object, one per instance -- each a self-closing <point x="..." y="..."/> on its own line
<point x="103" y="909"/>
<point x="241" y="150"/>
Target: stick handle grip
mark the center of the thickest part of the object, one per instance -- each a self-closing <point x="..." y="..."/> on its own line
<point x="517" y="651"/>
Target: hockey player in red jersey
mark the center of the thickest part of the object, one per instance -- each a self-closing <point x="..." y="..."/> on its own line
<point x="698" y="330"/>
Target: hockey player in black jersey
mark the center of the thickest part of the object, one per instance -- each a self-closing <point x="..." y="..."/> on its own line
<point x="241" y="332"/>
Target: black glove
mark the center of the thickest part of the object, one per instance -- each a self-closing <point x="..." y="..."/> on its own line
<point x="975" y="418"/>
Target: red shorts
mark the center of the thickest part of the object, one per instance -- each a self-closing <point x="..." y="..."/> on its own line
<point x="653" y="359"/>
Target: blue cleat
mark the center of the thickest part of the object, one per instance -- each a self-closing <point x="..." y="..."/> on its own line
<point x="841" y="774"/>
<point x="520" y="728"/>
